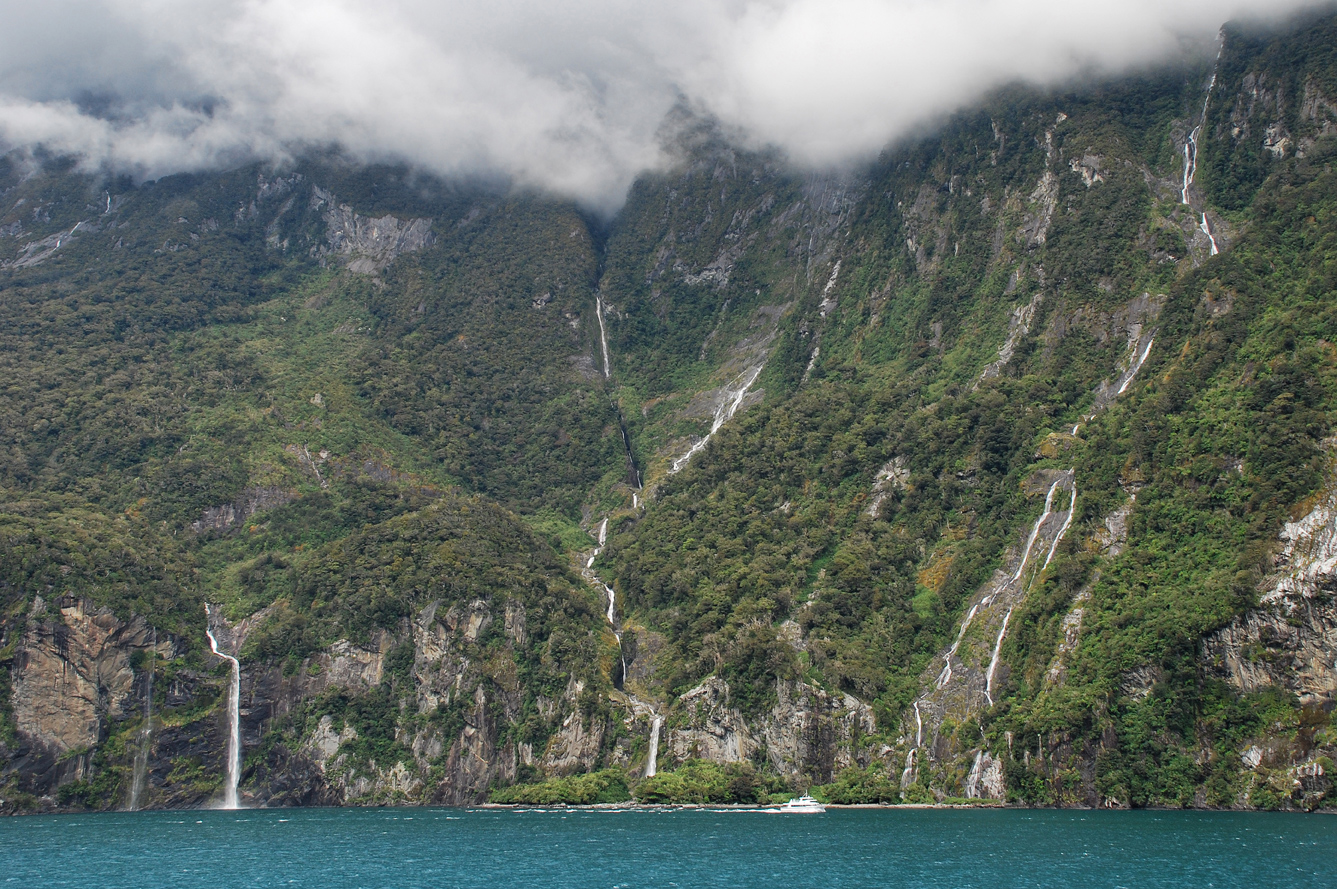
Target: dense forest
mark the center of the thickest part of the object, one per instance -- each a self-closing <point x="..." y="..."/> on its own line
<point x="999" y="469"/>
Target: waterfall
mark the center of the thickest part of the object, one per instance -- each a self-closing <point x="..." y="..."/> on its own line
<point x="993" y="661"/>
<point x="1190" y="163"/>
<point x="601" y="535"/>
<point x="1035" y="531"/>
<point x="234" y="725"/>
<point x="1207" y="230"/>
<point x="908" y="772"/>
<point x="603" y="334"/>
<point x="946" y="675"/>
<point x="1191" y="145"/>
<point x="728" y="407"/>
<point x="1053" y="547"/>
<point x="139" y="777"/>
<point x="652" y="763"/>
<point x="1072" y="511"/>
<point x="1141" y="358"/>
<point x="973" y="779"/>
<point x="633" y="474"/>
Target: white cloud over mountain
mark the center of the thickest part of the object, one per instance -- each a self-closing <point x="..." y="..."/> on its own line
<point x="567" y="96"/>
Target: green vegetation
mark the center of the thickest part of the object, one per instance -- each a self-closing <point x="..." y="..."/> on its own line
<point x="201" y="404"/>
<point x="607" y="786"/>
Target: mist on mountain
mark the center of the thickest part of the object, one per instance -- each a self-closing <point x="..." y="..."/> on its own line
<point x="568" y="98"/>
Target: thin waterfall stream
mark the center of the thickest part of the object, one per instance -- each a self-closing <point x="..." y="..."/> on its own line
<point x="230" y="800"/>
<point x="734" y="394"/>
<point x="1016" y="578"/>
<point x="1191" y="164"/>
<point x="633" y="478"/>
<point x="139" y="776"/>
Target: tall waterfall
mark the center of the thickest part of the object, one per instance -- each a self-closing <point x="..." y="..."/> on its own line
<point x="234" y="724"/>
<point x="139" y="777"/>
<point x="652" y="762"/>
<point x="603" y="334"/>
<point x="1191" y="164"/>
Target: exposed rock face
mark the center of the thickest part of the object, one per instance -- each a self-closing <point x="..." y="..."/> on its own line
<point x="72" y="673"/>
<point x="1018" y="326"/>
<point x="251" y="501"/>
<point x="985" y="780"/>
<point x="807" y="732"/>
<point x="71" y="678"/>
<point x="74" y="686"/>
<point x="1290" y="640"/>
<point x="368" y="244"/>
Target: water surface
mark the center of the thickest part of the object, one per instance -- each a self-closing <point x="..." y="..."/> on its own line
<point x="446" y="848"/>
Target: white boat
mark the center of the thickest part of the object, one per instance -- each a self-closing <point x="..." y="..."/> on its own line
<point x="802" y="805"/>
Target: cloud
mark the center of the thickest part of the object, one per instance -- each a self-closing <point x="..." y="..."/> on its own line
<point x="563" y="96"/>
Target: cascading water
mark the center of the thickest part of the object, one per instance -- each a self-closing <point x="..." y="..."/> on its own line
<point x="1206" y="229"/>
<point x="1067" y="522"/>
<point x="1191" y="144"/>
<point x="603" y="334"/>
<point x="908" y="773"/>
<point x="633" y="473"/>
<point x="234" y="724"/>
<point x="601" y="535"/>
<point x="946" y="675"/>
<point x="1053" y="547"/>
<point x="1137" y="365"/>
<point x="652" y="761"/>
<point x="139" y="776"/>
<point x="1191" y="164"/>
<point x="1017" y="577"/>
<point x="734" y="395"/>
<point x="993" y="661"/>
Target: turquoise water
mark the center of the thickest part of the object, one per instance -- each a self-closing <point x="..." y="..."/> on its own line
<point x="405" y="848"/>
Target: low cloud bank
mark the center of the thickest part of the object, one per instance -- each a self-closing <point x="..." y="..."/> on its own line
<point x="567" y="97"/>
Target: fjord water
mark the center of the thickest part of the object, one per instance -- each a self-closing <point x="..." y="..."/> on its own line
<point x="407" y="848"/>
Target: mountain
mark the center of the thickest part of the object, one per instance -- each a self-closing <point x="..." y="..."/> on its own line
<point x="1000" y="468"/>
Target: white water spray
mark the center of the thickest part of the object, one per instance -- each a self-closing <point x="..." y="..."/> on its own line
<point x="993" y="661"/>
<point x="908" y="773"/>
<point x="1053" y="547"/>
<point x="1035" y="531"/>
<point x="1063" y="529"/>
<point x="1206" y="229"/>
<point x="1137" y="365"/>
<point x="603" y="334"/>
<point x="1190" y="164"/>
<point x="652" y="763"/>
<point x="1191" y="146"/>
<point x="139" y="776"/>
<point x="234" y="724"/>
<point x="946" y="675"/>
<point x="728" y="407"/>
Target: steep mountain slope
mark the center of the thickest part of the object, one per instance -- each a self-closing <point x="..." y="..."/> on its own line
<point x="998" y="469"/>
